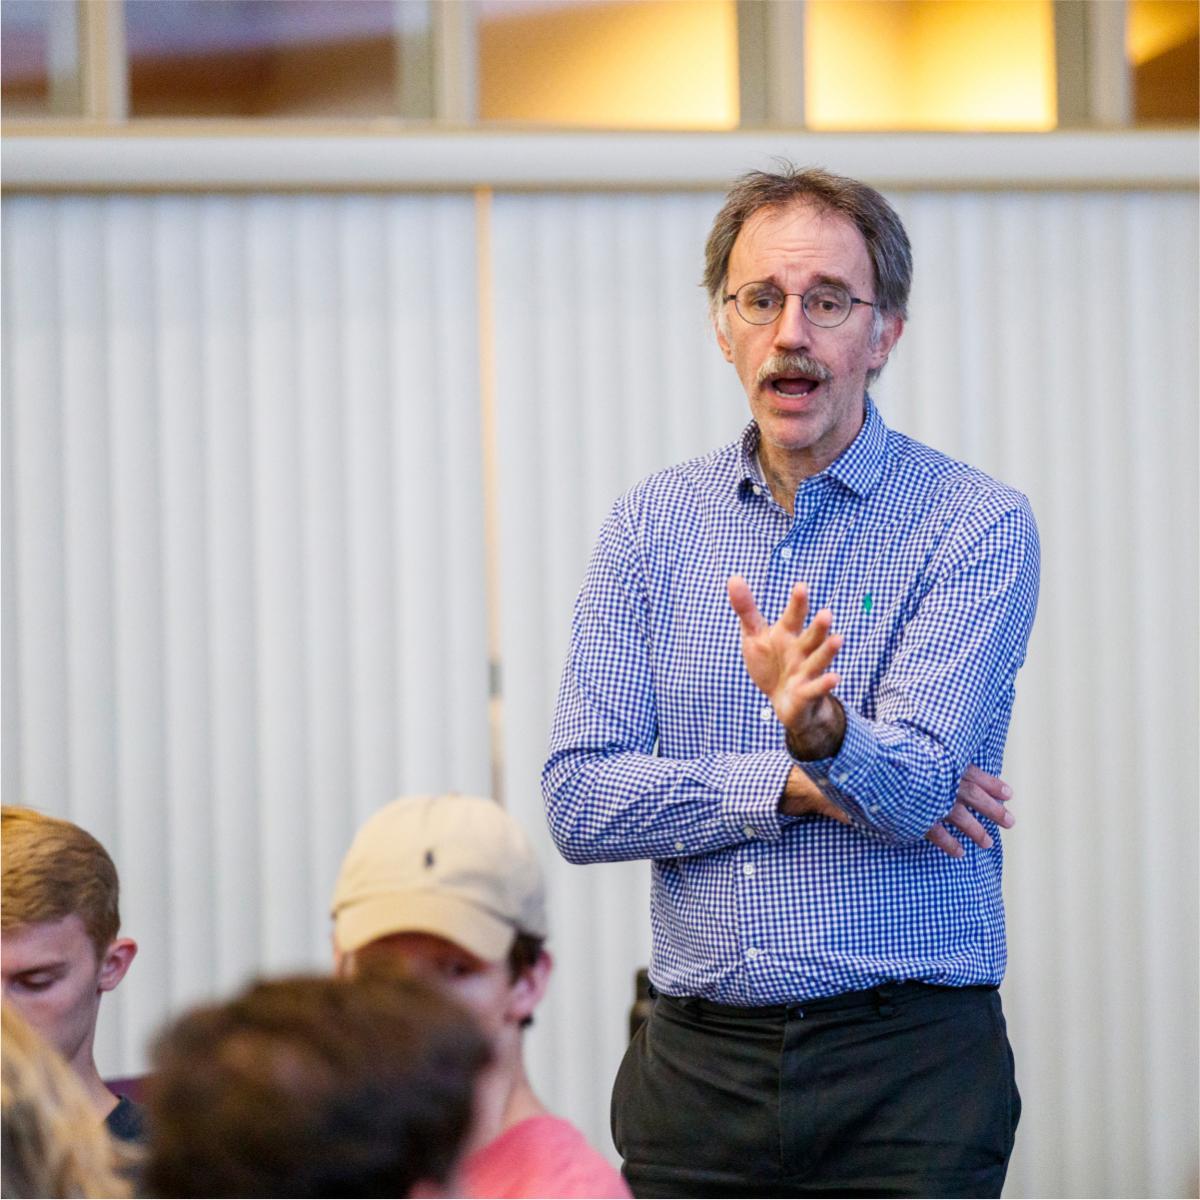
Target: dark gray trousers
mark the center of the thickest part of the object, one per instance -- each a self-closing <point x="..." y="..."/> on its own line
<point x="904" y="1090"/>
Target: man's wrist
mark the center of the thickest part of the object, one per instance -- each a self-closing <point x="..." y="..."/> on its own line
<point x="821" y="739"/>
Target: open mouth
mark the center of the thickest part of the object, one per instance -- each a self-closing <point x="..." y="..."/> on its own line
<point x="794" y="385"/>
<point x="793" y="376"/>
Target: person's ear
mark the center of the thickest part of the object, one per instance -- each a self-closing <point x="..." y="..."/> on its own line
<point x="529" y="988"/>
<point x="342" y="963"/>
<point x="722" y="332"/>
<point x="889" y="335"/>
<point x="115" y="962"/>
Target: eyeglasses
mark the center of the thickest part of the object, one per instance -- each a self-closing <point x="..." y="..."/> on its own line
<point x="827" y="305"/>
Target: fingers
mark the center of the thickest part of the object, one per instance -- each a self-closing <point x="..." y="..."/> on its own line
<point x="944" y="840"/>
<point x="808" y="680"/>
<point x="972" y="792"/>
<point x="791" y="621"/>
<point x="821" y="658"/>
<point x="796" y="611"/>
<point x="993" y="786"/>
<point x="961" y="818"/>
<point x="798" y="700"/>
<point x="742" y="600"/>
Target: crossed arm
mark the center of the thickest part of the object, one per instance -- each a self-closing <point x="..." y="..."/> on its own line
<point x="613" y="792"/>
<point x="790" y="664"/>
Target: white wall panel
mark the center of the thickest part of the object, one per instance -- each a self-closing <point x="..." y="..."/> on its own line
<point x="1053" y="342"/>
<point x="604" y="372"/>
<point x="243" y="578"/>
<point x="221" y="480"/>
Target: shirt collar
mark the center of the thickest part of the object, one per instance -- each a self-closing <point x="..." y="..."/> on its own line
<point x="858" y="468"/>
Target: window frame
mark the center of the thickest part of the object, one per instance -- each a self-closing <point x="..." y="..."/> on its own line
<point x="1092" y="72"/>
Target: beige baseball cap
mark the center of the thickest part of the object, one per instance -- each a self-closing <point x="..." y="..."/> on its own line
<point x="455" y="866"/>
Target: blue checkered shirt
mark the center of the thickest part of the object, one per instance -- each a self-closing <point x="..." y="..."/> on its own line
<point x="663" y="748"/>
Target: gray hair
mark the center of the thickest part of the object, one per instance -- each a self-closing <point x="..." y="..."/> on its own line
<point x="872" y="215"/>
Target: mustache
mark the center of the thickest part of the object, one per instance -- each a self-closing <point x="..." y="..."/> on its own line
<point x="792" y="364"/>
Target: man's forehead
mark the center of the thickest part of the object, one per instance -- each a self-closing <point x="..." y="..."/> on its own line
<point x="801" y="228"/>
<point x="45" y="943"/>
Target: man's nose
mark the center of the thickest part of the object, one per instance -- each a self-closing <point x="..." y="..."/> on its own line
<point x="791" y="326"/>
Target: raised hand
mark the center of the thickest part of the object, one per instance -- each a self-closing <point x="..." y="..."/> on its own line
<point x="790" y="665"/>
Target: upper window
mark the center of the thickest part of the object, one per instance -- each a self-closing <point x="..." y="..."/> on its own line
<point x="927" y="64"/>
<point x="285" y="58"/>
<point x="609" y="64"/>
<point x="626" y="64"/>
<point x="39" y="59"/>
<point x="1163" y="43"/>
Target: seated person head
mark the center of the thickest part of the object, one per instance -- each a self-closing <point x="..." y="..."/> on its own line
<point x="50" y="1142"/>
<point x="447" y="888"/>
<point x="60" y="950"/>
<point x="314" y="1087"/>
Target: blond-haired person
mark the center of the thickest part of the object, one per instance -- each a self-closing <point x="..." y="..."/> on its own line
<point x="51" y="1143"/>
<point x="61" y="949"/>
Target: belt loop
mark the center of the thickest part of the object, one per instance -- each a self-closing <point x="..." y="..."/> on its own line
<point x="883" y="1001"/>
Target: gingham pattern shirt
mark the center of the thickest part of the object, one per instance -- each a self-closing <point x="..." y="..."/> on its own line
<point x="663" y="748"/>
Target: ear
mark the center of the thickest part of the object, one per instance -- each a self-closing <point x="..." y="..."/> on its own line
<point x="722" y="337"/>
<point x="889" y="335"/>
<point x="115" y="963"/>
<point x="527" y="992"/>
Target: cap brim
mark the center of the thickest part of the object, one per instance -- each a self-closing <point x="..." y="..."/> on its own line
<point x="475" y="929"/>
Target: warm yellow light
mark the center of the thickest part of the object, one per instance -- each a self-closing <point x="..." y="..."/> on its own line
<point x="1153" y="26"/>
<point x="930" y="64"/>
<point x="669" y="64"/>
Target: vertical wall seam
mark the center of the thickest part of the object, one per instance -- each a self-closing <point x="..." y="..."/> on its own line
<point x="490" y="462"/>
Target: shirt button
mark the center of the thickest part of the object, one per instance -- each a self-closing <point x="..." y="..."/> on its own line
<point x="767" y="712"/>
<point x="750" y="831"/>
<point x="753" y="953"/>
<point x="756" y="490"/>
<point x="839" y="777"/>
<point x="874" y="808"/>
<point x="785" y="552"/>
<point x="678" y="845"/>
<point x="748" y="869"/>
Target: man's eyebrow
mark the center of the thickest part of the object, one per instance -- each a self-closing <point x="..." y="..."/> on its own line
<point x="38" y="968"/>
<point x="834" y="279"/>
<point x="819" y="280"/>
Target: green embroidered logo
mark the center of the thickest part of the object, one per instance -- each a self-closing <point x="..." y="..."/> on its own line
<point x="867" y="602"/>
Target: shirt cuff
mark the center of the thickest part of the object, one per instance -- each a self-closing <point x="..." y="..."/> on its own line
<point x="753" y="790"/>
<point x="841" y="778"/>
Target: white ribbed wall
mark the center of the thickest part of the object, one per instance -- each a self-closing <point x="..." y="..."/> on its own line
<point x="243" y="578"/>
<point x="1053" y="342"/>
<point x="243" y="560"/>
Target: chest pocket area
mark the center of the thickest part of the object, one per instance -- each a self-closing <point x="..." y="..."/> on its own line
<point x="876" y="594"/>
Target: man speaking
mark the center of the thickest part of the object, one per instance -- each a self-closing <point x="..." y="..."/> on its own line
<point x="792" y="662"/>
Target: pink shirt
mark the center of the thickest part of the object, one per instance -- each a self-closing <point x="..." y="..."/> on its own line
<point x="541" y="1157"/>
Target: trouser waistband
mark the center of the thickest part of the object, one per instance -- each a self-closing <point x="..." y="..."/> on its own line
<point x="881" y="998"/>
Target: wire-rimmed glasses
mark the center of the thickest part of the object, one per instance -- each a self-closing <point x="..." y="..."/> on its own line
<point x="827" y="305"/>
